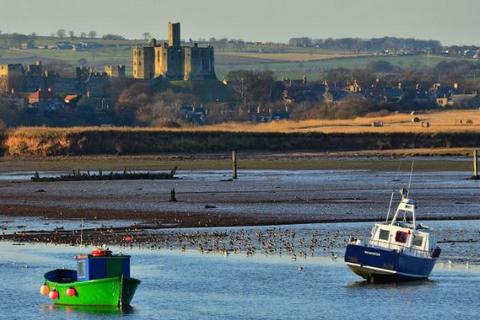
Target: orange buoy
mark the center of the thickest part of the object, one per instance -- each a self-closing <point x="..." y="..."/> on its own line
<point x="71" y="292"/>
<point x="53" y="295"/>
<point x="44" y="290"/>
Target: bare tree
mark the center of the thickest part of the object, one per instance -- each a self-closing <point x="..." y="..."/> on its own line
<point x="71" y="34"/>
<point x="147" y="36"/>
<point x="92" y="34"/>
<point x="83" y="35"/>
<point x="61" y="33"/>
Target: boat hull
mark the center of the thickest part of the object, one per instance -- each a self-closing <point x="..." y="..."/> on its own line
<point x="378" y="265"/>
<point x="116" y="291"/>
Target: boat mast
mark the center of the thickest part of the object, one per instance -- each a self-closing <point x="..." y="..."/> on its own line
<point x="406" y="206"/>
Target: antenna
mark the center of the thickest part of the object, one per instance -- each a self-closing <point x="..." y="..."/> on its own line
<point x="81" y="234"/>
<point x="393" y="192"/>
<point x="389" y="207"/>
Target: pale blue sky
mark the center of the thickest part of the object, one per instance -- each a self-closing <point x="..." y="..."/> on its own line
<point x="452" y="22"/>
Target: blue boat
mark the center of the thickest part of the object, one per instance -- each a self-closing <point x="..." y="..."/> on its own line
<point x="399" y="249"/>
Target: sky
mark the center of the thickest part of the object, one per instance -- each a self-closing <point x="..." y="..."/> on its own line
<point x="451" y="22"/>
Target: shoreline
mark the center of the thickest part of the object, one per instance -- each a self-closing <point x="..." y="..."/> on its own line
<point x="145" y="234"/>
<point x="440" y="159"/>
<point x="151" y="223"/>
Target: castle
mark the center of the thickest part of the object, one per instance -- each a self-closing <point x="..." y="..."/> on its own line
<point x="173" y="61"/>
<point x="16" y="78"/>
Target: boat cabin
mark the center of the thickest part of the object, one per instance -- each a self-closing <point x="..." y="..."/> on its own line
<point x="419" y="241"/>
<point x="402" y="233"/>
<point x="102" y="264"/>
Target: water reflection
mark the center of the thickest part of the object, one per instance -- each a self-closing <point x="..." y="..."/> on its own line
<point x="105" y="310"/>
<point x="389" y="285"/>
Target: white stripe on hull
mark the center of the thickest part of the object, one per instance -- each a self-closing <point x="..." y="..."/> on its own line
<point x="382" y="271"/>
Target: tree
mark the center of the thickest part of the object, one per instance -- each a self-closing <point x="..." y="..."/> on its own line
<point x="339" y="76"/>
<point x="129" y="101"/>
<point x="381" y="66"/>
<point x="254" y="86"/>
<point x="83" y="35"/>
<point x="61" y="33"/>
<point x="92" y="34"/>
<point x="165" y="108"/>
<point x="82" y="62"/>
<point x="10" y="114"/>
<point x="71" y="34"/>
<point x="147" y="36"/>
<point x="112" y="37"/>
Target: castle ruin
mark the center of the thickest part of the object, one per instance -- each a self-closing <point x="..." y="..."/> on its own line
<point x="173" y="61"/>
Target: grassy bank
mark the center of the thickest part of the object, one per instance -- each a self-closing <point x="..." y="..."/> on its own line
<point x="133" y="141"/>
<point x="221" y="162"/>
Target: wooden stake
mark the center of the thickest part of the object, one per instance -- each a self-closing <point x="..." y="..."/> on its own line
<point x="475" y="163"/>
<point x="234" y="164"/>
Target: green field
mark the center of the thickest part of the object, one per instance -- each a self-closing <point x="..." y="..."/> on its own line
<point x="314" y="69"/>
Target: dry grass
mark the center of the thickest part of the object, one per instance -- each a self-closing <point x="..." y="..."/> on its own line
<point x="446" y="121"/>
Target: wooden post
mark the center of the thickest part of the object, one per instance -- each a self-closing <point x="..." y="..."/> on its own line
<point x="173" y="197"/>
<point x="234" y="164"/>
<point x="475" y="164"/>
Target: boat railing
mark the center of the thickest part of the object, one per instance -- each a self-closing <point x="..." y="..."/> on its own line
<point x="401" y="248"/>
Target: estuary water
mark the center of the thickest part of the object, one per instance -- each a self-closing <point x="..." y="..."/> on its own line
<point x="190" y="285"/>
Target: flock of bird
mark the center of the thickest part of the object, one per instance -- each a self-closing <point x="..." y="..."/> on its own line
<point x="281" y="241"/>
<point x="273" y="241"/>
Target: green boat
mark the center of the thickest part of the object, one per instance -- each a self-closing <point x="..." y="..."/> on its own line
<point x="101" y="279"/>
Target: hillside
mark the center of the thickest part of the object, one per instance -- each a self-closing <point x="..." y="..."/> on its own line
<point x="285" y="61"/>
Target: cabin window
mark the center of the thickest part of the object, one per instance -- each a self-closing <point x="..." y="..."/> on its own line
<point x="401" y="237"/>
<point x="81" y="269"/>
<point x="417" y="240"/>
<point x="384" y="235"/>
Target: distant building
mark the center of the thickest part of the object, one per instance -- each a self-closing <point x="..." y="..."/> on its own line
<point x="173" y="61"/>
<point x="45" y="99"/>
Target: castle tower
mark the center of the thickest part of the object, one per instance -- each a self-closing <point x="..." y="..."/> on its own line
<point x="172" y="61"/>
<point x="12" y="78"/>
<point x="143" y="62"/>
<point x="174" y="34"/>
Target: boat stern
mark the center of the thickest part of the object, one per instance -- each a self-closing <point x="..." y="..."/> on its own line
<point x="129" y="286"/>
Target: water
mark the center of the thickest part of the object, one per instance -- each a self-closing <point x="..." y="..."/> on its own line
<point x="189" y="285"/>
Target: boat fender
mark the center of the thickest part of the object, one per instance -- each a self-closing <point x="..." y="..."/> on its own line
<point x="44" y="290"/>
<point x="71" y="292"/>
<point x="436" y="252"/>
<point x="53" y="294"/>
